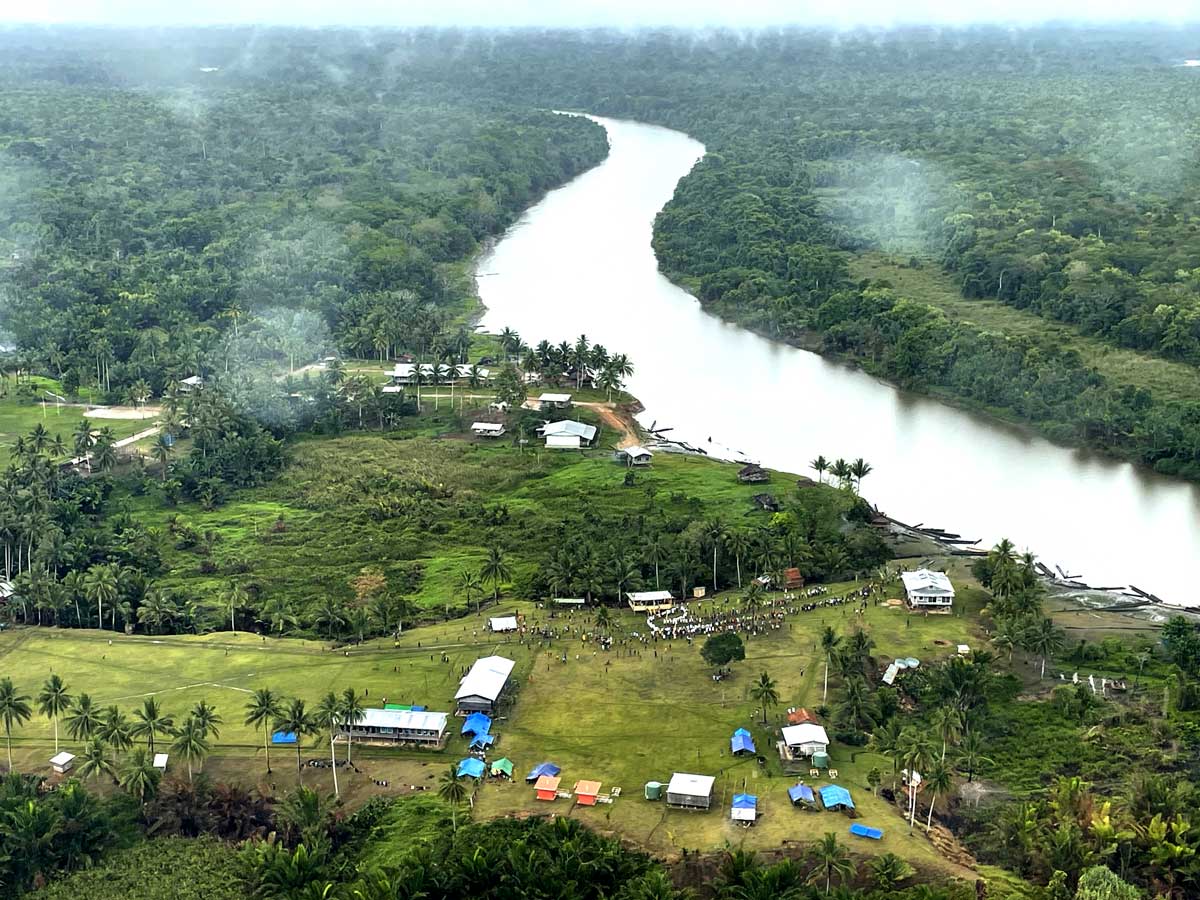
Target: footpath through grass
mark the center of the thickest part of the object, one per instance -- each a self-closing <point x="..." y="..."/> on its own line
<point x="1167" y="379"/>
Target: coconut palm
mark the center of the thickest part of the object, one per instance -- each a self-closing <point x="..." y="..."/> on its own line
<point x="53" y="701"/>
<point x="263" y="711"/>
<point x="328" y="717"/>
<point x="139" y="776"/>
<point x="714" y="533"/>
<point x="840" y="469"/>
<point x="948" y="725"/>
<point x="495" y="570"/>
<point x="889" y="870"/>
<point x="470" y="584"/>
<point x="821" y="465"/>
<point x="162" y="449"/>
<point x="233" y="598"/>
<point x="83" y="440"/>
<point x="603" y="619"/>
<point x="1043" y="639"/>
<point x="353" y="712"/>
<point x="764" y="692"/>
<point x="297" y="720"/>
<point x="14" y="710"/>
<point x="191" y="743"/>
<point x="829" y="858"/>
<point x="737" y="544"/>
<point x="100" y="586"/>
<point x="938" y="780"/>
<point x="94" y="761"/>
<point x="970" y="755"/>
<point x="860" y="469"/>
<point x="116" y="730"/>
<point x="917" y="754"/>
<point x="83" y="720"/>
<point x="829" y="643"/>
<point x="150" y="722"/>
<point x="885" y="740"/>
<point x="453" y="791"/>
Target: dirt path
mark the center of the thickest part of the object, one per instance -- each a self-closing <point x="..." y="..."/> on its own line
<point x="616" y="418"/>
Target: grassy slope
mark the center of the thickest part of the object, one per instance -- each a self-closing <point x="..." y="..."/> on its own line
<point x="183" y="868"/>
<point x="1167" y="379"/>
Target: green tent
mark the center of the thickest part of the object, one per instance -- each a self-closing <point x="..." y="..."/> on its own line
<point x="653" y="790"/>
<point x="503" y="766"/>
<point x="820" y="760"/>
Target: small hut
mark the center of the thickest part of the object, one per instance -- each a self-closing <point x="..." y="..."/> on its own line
<point x="62" y="762"/>
<point x="547" y="787"/>
<point x="690" y="791"/>
<point x="741" y="742"/>
<point x="586" y="792"/>
<point x="476" y="723"/>
<point x="802" y="796"/>
<point x="744" y="809"/>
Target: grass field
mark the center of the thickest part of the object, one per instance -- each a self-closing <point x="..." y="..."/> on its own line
<point x="928" y="284"/>
<point x="618" y="718"/>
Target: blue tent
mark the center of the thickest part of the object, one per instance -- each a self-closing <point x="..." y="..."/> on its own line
<point x="546" y="768"/>
<point x="745" y="801"/>
<point x="833" y="797"/>
<point x="483" y="740"/>
<point x="477" y="723"/>
<point x="801" y="793"/>
<point x="741" y="742"/>
<point x="471" y="767"/>
<point x="283" y="737"/>
<point x="866" y="831"/>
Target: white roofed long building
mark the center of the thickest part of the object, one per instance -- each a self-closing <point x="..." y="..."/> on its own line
<point x="401" y="726"/>
<point x="928" y="589"/>
<point x="481" y="687"/>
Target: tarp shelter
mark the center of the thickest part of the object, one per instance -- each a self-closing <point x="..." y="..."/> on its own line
<point x="820" y="760"/>
<point x="802" y="795"/>
<point x="546" y="768"/>
<point x="483" y="741"/>
<point x="654" y="790"/>
<point x="477" y="723"/>
<point x="503" y="767"/>
<point x="836" y="797"/>
<point x="693" y="791"/>
<point x="741" y="742"/>
<point x="503" y="623"/>
<point x="745" y="808"/>
<point x="471" y="767"/>
<point x="866" y="831"/>
<point x="586" y="792"/>
<point x="62" y="762"/>
<point x="283" y="737"/>
<point x="547" y="787"/>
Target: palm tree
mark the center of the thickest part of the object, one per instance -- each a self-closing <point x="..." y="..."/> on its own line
<point x="470" y="584"/>
<point x="83" y="440"/>
<point x="328" y="716"/>
<point x="1044" y="640"/>
<point x="151" y="722"/>
<point x="14" y="710"/>
<point x="714" y="533"/>
<point x="821" y="464"/>
<point x="94" y="761"/>
<point x="948" y="724"/>
<point x="829" y="858"/>
<point x="263" y="711"/>
<point x="765" y="693"/>
<point x="453" y="791"/>
<point x="603" y="619"/>
<point x="100" y="587"/>
<point x="840" y="470"/>
<point x="829" y="643"/>
<point x="886" y="741"/>
<point x="353" y="712"/>
<point x="53" y="701"/>
<point x="917" y="754"/>
<point x="190" y="742"/>
<point x="299" y="721"/>
<point x="83" y="720"/>
<point x="970" y="755"/>
<point x="209" y="721"/>
<point x="495" y="570"/>
<point x="164" y="446"/>
<point x="938" y="780"/>
<point x="860" y="469"/>
<point x="116" y="730"/>
<point x="737" y="543"/>
<point x="139" y="776"/>
<point x="889" y="870"/>
<point x="234" y="597"/>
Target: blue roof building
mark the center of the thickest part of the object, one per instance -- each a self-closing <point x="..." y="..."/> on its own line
<point x="745" y="808"/>
<point x="477" y="723"/>
<point x="741" y="742"/>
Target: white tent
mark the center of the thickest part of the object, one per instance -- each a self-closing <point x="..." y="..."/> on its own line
<point x="503" y="623"/>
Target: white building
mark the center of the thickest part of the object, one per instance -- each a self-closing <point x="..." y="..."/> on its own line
<point x="650" y="601"/>
<point x="62" y="762"/>
<point x="405" y="373"/>
<point x="806" y="739"/>
<point x="160" y="761"/>
<point x="191" y="383"/>
<point x="488" y="429"/>
<point x="554" y="401"/>
<point x="692" y="791"/>
<point x="927" y="589"/>
<point x="481" y="687"/>
<point x="635" y="456"/>
<point x="6" y="590"/>
<point x="567" y="434"/>
<point x="401" y="726"/>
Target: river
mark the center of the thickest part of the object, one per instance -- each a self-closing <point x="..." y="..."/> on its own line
<point x="580" y="261"/>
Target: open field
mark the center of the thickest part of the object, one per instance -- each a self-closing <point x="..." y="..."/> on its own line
<point x="619" y="718"/>
<point x="1167" y="379"/>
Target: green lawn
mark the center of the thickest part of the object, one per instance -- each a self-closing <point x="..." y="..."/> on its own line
<point x="928" y="284"/>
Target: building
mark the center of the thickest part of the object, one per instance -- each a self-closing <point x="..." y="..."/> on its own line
<point x="805" y="739"/>
<point x="744" y="809"/>
<point x="586" y="792"/>
<point x="62" y="763"/>
<point x="650" y="601"/>
<point x="634" y="456"/>
<point x="691" y="791"/>
<point x="554" y="401"/>
<point x="401" y="726"/>
<point x="741" y="742"/>
<point x="487" y="429"/>
<point x="753" y="474"/>
<point x="481" y="687"/>
<point x="476" y="723"/>
<point x="800" y="716"/>
<point x="503" y="623"/>
<point x="502" y="768"/>
<point x="6" y="590"/>
<point x="567" y="435"/>
<point x="834" y="797"/>
<point x="927" y="589"/>
<point x="160" y="761"/>
<point x="546" y="787"/>
<point x="191" y="383"/>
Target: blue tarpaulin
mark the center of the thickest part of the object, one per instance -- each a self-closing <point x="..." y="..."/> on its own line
<point x="283" y="737"/>
<point x="866" y="831"/>
<point x="744" y="801"/>
<point x="741" y="742"/>
<point x="477" y="723"/>
<point x="483" y="740"/>
<point x="546" y="768"/>
<point x="471" y="767"/>
<point x="801" y="793"/>
<point x="833" y="796"/>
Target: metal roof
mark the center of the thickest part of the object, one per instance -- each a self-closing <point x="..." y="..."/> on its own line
<point x="569" y="426"/>
<point x="926" y="581"/>
<point x="693" y="785"/>
<point x="805" y="733"/>
<point x="554" y="398"/>
<point x="649" y="596"/>
<point x="486" y="678"/>
<point x="403" y="719"/>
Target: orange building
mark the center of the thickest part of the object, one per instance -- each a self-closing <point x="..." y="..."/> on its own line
<point x="547" y="787"/>
<point x="586" y="792"/>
